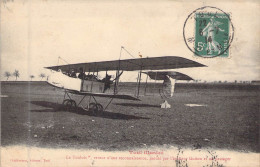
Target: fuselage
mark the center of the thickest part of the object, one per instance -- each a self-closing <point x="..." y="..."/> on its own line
<point x="60" y="80"/>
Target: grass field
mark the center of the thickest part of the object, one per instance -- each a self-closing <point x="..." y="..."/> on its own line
<point x="32" y="114"/>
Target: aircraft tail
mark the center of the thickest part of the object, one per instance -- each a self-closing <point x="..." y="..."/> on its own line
<point x="169" y="78"/>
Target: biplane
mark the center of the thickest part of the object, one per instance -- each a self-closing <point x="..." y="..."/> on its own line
<point x="81" y="79"/>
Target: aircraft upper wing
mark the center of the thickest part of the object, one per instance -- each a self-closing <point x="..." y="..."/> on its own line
<point x="153" y="63"/>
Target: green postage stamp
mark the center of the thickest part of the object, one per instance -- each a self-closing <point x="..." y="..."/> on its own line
<point x="211" y="34"/>
<point x="208" y="32"/>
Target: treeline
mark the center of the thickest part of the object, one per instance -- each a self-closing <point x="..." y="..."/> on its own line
<point x="16" y="74"/>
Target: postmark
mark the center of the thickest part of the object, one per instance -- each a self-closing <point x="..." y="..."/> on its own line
<point x="208" y="32"/>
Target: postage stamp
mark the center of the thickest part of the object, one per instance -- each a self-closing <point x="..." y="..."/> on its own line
<point x="211" y="34"/>
<point x="208" y="32"/>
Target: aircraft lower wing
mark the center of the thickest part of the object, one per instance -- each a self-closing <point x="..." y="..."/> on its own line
<point x="118" y="96"/>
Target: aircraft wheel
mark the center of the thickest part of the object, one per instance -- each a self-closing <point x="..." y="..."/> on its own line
<point x="73" y="103"/>
<point x="99" y="107"/>
<point x="92" y="107"/>
<point x="68" y="105"/>
<point x="65" y="101"/>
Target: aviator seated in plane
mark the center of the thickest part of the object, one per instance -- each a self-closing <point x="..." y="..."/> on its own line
<point x="82" y="75"/>
<point x="106" y="80"/>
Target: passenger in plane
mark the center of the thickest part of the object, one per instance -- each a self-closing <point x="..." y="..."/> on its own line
<point x="89" y="77"/>
<point x="81" y="75"/>
<point x="63" y="72"/>
<point x="107" y="82"/>
<point x="73" y="74"/>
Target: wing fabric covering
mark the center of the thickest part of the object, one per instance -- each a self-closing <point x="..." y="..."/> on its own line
<point x="155" y="63"/>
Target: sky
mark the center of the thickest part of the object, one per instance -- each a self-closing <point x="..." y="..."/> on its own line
<point x="35" y="33"/>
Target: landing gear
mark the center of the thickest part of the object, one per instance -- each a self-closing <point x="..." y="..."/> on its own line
<point x="100" y="107"/>
<point x="92" y="107"/>
<point x="69" y="104"/>
<point x="95" y="107"/>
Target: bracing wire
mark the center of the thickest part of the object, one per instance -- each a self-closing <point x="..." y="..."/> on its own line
<point x="59" y="58"/>
<point x="127" y="52"/>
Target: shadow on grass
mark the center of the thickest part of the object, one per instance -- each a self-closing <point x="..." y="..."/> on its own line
<point x="54" y="107"/>
<point x="137" y="105"/>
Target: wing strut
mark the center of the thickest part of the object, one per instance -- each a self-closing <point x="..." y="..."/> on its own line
<point x="154" y="83"/>
<point x="145" y="85"/>
<point x="117" y="72"/>
<point x="139" y="82"/>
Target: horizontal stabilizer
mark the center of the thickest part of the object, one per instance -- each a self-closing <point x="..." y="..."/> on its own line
<point x="162" y="75"/>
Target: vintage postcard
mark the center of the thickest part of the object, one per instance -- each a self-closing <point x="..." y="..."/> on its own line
<point x="130" y="83"/>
